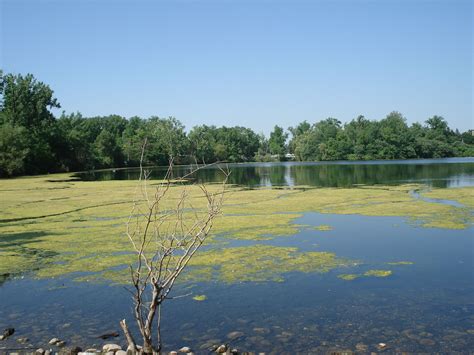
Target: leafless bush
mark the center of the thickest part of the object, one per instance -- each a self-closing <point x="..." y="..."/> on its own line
<point x="166" y="227"/>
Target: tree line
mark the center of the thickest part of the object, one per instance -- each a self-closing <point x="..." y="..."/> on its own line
<point x="34" y="141"/>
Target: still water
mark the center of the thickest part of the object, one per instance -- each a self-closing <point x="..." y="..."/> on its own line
<point x="449" y="172"/>
<point x="427" y="306"/>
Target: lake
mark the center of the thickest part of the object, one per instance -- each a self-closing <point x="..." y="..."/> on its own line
<point x="409" y="219"/>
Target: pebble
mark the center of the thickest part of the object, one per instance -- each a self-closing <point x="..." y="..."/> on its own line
<point x="361" y="347"/>
<point x="210" y="345"/>
<point x="40" y="351"/>
<point x="54" y="341"/>
<point x="60" y="343"/>
<point x="381" y="346"/>
<point x="173" y="353"/>
<point x="111" y="347"/>
<point x="221" y="349"/>
<point x="22" y="340"/>
<point x="75" y="350"/>
<point x="121" y="352"/>
<point x="185" y="349"/>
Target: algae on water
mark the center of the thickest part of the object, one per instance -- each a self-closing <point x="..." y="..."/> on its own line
<point x="378" y="273"/>
<point x="348" y="277"/>
<point x="370" y="273"/>
<point x="51" y="226"/>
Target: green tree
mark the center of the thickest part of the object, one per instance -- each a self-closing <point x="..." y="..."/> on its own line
<point x="277" y="141"/>
<point x="13" y="149"/>
<point x="166" y="139"/>
<point x="395" y="141"/>
<point x="297" y="131"/>
<point x="202" y="141"/>
<point x="27" y="103"/>
<point x="132" y="141"/>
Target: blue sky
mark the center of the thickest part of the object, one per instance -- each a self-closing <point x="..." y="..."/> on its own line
<point x="253" y="63"/>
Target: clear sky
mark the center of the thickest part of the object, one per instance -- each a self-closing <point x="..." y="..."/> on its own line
<point x="253" y="63"/>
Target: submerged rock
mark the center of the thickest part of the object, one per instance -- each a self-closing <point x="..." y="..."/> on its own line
<point x="109" y="335"/>
<point x="262" y="330"/>
<point x="235" y="335"/>
<point x="22" y="340"/>
<point x="39" y="351"/>
<point x="210" y="345"/>
<point x="54" y="341"/>
<point x="186" y="326"/>
<point x="427" y="341"/>
<point x="7" y="332"/>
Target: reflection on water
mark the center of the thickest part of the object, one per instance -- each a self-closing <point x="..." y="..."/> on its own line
<point x="424" y="307"/>
<point x="452" y="172"/>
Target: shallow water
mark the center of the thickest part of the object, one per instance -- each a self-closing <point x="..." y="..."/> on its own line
<point x="426" y="306"/>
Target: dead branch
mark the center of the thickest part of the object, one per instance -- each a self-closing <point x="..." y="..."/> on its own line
<point x="165" y="240"/>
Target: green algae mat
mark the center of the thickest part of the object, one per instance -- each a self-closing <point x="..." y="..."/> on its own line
<point x="52" y="226"/>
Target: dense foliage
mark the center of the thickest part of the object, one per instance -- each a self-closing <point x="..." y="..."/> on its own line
<point x="33" y="140"/>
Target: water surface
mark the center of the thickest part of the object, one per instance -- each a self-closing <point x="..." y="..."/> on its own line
<point x="449" y="172"/>
<point x="426" y="306"/>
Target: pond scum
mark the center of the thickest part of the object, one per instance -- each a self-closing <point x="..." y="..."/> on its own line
<point x="53" y="226"/>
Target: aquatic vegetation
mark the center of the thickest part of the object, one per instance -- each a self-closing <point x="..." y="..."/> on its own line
<point x="463" y="195"/>
<point x="349" y="277"/>
<point x="378" y="273"/>
<point x="400" y="263"/>
<point x="323" y="227"/>
<point x="52" y="226"/>
<point x="257" y="226"/>
<point x="200" y="298"/>
<point x="261" y="262"/>
<point x="370" y="273"/>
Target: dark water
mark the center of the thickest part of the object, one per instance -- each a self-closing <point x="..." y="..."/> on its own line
<point x="424" y="307"/>
<point x="449" y="172"/>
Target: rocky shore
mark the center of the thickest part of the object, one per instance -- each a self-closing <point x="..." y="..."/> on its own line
<point x="61" y="347"/>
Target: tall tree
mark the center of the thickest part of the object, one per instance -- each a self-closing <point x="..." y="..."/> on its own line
<point x="27" y="103"/>
<point x="277" y="141"/>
